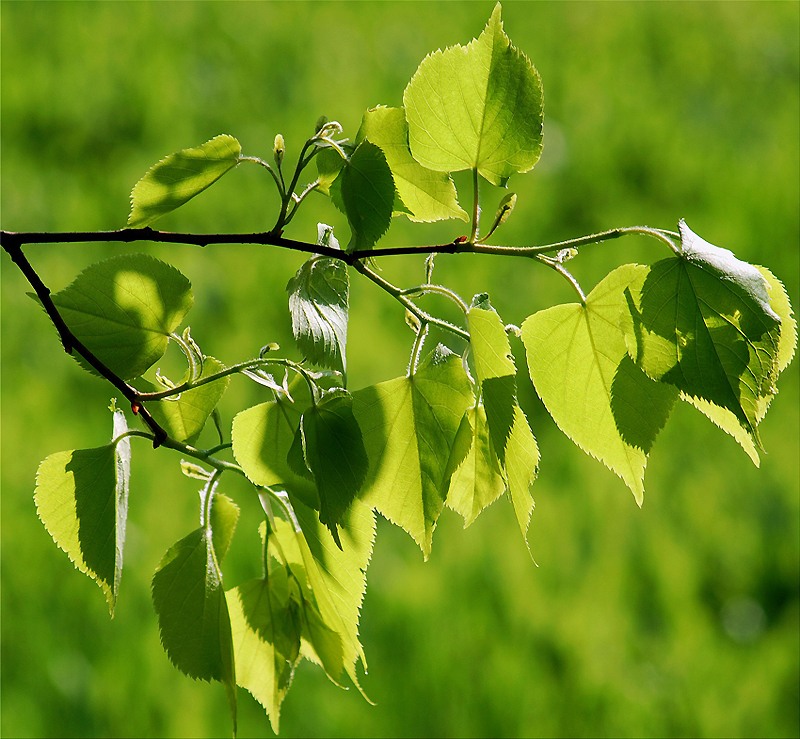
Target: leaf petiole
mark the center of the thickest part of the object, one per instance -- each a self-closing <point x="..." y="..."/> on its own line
<point x="565" y="273"/>
<point x="439" y="289"/>
<point x="277" y="177"/>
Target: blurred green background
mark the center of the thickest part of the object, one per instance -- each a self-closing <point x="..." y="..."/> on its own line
<point x="678" y="619"/>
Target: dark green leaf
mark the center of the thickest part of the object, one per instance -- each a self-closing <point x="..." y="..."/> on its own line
<point x="333" y="451"/>
<point x="707" y="332"/>
<point x="190" y="602"/>
<point x="368" y="195"/>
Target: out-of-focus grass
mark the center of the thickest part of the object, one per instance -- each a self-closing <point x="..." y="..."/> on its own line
<point x="678" y="619"/>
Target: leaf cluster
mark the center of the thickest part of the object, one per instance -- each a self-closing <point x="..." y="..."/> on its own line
<point x="699" y="326"/>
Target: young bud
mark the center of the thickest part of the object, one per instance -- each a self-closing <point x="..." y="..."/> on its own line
<point x="278" y="149"/>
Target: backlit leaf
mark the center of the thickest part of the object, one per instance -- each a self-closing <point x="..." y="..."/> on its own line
<point x="477" y="480"/>
<point x="511" y="440"/>
<point x="179" y="177"/>
<point x="425" y="194"/>
<point x="82" y="499"/>
<point x="579" y="366"/>
<point x="265" y="627"/>
<point x="409" y="426"/>
<point x="332" y="578"/>
<point x="263" y="437"/>
<point x="476" y="107"/>
<point x="124" y="308"/>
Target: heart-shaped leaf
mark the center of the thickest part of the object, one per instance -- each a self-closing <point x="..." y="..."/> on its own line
<point x="123" y="310"/>
<point x="476" y="107"/>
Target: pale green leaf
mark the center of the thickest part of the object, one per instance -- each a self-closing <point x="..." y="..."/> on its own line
<point x="179" y="177"/>
<point x="318" y="304"/>
<point x="477" y="480"/>
<point x="409" y="426"/>
<point x="184" y="416"/>
<point x="82" y="499"/>
<point x="262" y="437"/>
<point x="265" y="627"/>
<point x="491" y="351"/>
<point x="332" y="578"/>
<point x="329" y="166"/>
<point x="579" y="366"/>
<point x="123" y="310"/>
<point x="224" y="517"/>
<point x="425" y="194"/>
<point x="476" y="107"/>
<point x="367" y="191"/>
<point x="512" y="442"/>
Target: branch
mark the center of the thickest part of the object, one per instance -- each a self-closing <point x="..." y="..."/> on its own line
<point x="271" y="238"/>
<point x="71" y="342"/>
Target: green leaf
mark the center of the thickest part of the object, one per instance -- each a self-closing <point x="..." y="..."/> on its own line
<point x="124" y="309"/>
<point x="787" y="341"/>
<point x="332" y="578"/>
<point x="318" y="303"/>
<point x="82" y="499"/>
<point x="184" y="416"/>
<point x="476" y="107"/>
<point x="367" y="195"/>
<point x="744" y="279"/>
<point x="425" y="194"/>
<point x="333" y="451"/>
<point x="179" y="177"/>
<point x="477" y="480"/>
<point x="511" y="440"/>
<point x="579" y="366"/>
<point x="190" y="602"/>
<point x="409" y="426"/>
<point x="322" y="644"/>
<point x="265" y="627"/>
<point x="707" y="331"/>
<point x="489" y="342"/>
<point x="262" y="437"/>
